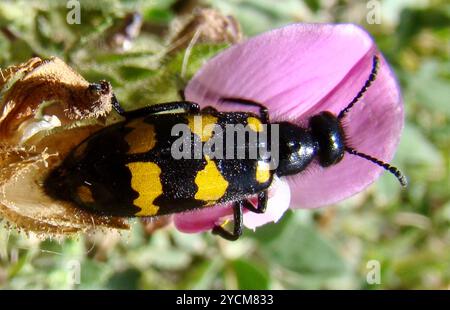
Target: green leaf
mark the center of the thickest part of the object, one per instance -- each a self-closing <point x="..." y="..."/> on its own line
<point x="272" y="231"/>
<point x="300" y="248"/>
<point x="257" y="16"/>
<point x="131" y="73"/>
<point x="313" y="5"/>
<point x="124" y="280"/>
<point x="94" y="274"/>
<point x="413" y="21"/>
<point x="203" y="275"/>
<point x="158" y="15"/>
<point x="250" y="276"/>
<point x="416" y="150"/>
<point x="430" y="88"/>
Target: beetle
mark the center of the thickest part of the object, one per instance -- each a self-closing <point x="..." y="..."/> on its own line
<point x="128" y="169"/>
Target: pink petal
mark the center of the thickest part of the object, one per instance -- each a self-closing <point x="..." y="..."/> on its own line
<point x="202" y="219"/>
<point x="290" y="69"/>
<point x="302" y="69"/>
<point x="205" y="219"/>
<point x="373" y="127"/>
<point x="278" y="203"/>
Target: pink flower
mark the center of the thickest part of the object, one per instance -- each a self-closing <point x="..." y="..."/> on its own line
<point x="298" y="71"/>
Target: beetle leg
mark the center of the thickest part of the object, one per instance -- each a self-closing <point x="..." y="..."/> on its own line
<point x="209" y="109"/>
<point x="262" y="203"/>
<point x="181" y="94"/>
<point x="263" y="197"/>
<point x="237" y="230"/>
<point x="116" y="105"/>
<point x="187" y="106"/>
<point x="263" y="111"/>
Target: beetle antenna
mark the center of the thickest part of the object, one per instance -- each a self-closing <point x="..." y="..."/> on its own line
<point x="372" y="77"/>
<point x="400" y="177"/>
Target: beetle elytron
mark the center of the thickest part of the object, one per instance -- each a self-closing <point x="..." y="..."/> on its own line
<point x="127" y="169"/>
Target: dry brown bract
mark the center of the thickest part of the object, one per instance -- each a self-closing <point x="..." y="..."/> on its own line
<point x="46" y="109"/>
<point x="205" y="26"/>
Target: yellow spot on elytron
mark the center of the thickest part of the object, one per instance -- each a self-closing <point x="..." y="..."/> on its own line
<point x="262" y="172"/>
<point x="202" y="125"/>
<point x="85" y="194"/>
<point x="142" y="138"/>
<point x="211" y="184"/>
<point x="145" y="180"/>
<point x="255" y="124"/>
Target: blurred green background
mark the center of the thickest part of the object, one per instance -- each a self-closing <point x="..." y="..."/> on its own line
<point x="405" y="231"/>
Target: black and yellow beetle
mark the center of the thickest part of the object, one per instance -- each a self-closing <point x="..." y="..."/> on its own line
<point x="128" y="169"/>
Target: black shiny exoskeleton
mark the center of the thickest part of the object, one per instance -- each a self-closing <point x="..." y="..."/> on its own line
<point x="128" y="169"/>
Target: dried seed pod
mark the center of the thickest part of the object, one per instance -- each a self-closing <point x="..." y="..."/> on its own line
<point x="46" y="109"/>
<point x="122" y="37"/>
<point x="41" y="90"/>
<point x="205" y="26"/>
